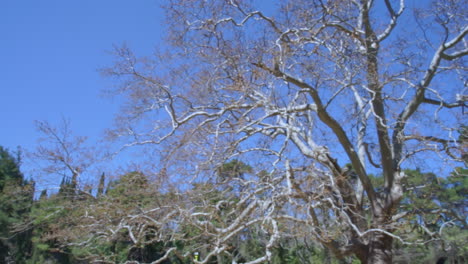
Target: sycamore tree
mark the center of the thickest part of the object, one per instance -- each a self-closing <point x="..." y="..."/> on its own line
<point x="320" y="97"/>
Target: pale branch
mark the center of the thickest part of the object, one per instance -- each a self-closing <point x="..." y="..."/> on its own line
<point x="165" y="256"/>
<point x="333" y="125"/>
<point x="419" y="96"/>
<point x="445" y="144"/>
<point x="362" y="128"/>
<point x="393" y="19"/>
<point x="247" y="17"/>
<point x="455" y="55"/>
<point x="456" y="39"/>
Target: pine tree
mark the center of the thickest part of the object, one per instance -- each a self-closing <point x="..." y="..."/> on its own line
<point x="16" y="196"/>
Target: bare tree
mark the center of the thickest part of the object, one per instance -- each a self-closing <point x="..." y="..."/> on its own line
<point x="299" y="90"/>
<point x="60" y="154"/>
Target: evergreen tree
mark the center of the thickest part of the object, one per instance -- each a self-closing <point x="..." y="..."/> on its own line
<point x="101" y="186"/>
<point x="436" y="209"/>
<point x="16" y="195"/>
<point x="43" y="195"/>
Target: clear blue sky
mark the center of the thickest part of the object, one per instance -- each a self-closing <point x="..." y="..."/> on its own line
<point x="50" y="53"/>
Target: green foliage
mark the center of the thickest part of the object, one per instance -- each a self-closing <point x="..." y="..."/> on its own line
<point x="233" y="169"/>
<point x="434" y="200"/>
<point x="58" y="220"/>
<point x="456" y="189"/>
<point x="422" y="190"/>
<point x="49" y="216"/>
<point x="9" y="169"/>
<point x="16" y="196"/>
<point x="434" y="206"/>
<point x="130" y="191"/>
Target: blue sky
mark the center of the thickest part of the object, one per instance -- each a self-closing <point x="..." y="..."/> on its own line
<point x="51" y="51"/>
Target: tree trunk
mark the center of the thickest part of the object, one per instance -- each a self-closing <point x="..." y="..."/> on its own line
<point x="380" y="249"/>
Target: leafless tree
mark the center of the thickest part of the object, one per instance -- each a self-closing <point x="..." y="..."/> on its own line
<point x="299" y="89"/>
<point x="61" y="155"/>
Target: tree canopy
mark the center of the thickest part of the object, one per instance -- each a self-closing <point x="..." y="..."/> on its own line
<point x="288" y="132"/>
<point x="302" y="88"/>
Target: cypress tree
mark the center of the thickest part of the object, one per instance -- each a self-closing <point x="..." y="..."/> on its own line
<point x="102" y="181"/>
